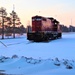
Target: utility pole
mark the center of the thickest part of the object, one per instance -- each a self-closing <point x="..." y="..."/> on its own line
<point x="13" y="20"/>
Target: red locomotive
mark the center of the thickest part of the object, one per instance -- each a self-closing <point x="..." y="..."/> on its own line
<point x="44" y="29"/>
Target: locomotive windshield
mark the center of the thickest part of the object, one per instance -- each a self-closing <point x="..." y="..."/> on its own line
<point x="36" y="19"/>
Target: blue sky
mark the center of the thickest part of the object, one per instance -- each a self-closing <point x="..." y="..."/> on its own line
<point x="62" y="10"/>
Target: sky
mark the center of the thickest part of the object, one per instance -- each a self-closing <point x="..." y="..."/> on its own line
<point x="62" y="10"/>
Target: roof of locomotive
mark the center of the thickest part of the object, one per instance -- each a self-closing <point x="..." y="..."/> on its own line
<point x="37" y="16"/>
<point x="51" y="18"/>
<point x="56" y="21"/>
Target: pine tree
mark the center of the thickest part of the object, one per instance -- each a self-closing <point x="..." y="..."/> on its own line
<point x="3" y="15"/>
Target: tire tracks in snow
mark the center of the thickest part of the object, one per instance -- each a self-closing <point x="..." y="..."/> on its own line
<point x="6" y="45"/>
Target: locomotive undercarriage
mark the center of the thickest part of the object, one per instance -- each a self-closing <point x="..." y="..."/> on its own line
<point x="41" y="36"/>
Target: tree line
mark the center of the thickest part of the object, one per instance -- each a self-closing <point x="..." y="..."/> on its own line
<point x="10" y="24"/>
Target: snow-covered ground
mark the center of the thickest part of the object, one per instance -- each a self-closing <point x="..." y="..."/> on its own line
<point x="22" y="57"/>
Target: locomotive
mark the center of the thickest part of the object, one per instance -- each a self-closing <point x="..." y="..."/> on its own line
<point x="44" y="29"/>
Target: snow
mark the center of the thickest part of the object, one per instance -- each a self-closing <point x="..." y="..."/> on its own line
<point x="20" y="56"/>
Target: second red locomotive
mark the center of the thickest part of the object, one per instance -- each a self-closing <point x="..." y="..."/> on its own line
<point x="44" y="29"/>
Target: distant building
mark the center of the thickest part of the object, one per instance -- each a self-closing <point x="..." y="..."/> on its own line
<point x="71" y="28"/>
<point x="64" y="28"/>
